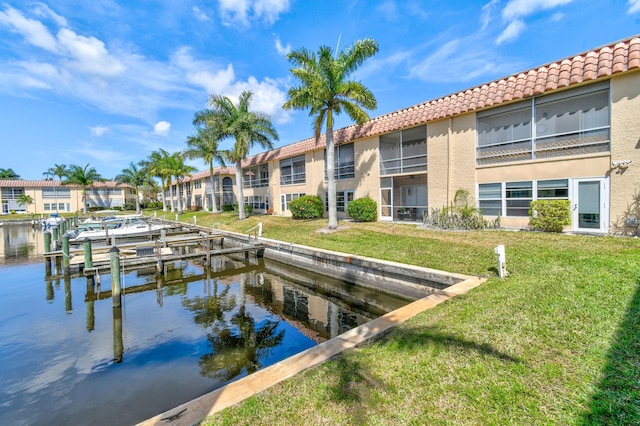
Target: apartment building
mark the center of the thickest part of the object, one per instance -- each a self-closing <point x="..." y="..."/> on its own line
<point x="50" y="196"/>
<point x="197" y="193"/>
<point x="564" y="130"/>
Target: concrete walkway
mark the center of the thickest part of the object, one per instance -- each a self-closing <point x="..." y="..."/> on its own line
<point x="195" y="411"/>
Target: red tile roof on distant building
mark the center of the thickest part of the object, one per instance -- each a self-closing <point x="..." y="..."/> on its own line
<point x="19" y="183"/>
<point x="596" y="64"/>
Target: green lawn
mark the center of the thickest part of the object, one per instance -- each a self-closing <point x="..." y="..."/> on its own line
<point x="557" y="342"/>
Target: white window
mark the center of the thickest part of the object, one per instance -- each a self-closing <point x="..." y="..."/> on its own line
<point x="573" y="122"/>
<point x="343" y="198"/>
<point x="404" y="151"/>
<point x="292" y="171"/>
<point x="285" y="199"/>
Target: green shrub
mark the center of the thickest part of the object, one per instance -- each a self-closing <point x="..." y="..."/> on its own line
<point x="306" y="207"/>
<point x="228" y="207"/>
<point x="248" y="208"/>
<point x="128" y="206"/>
<point x="549" y="215"/>
<point x="459" y="215"/>
<point x="363" y="209"/>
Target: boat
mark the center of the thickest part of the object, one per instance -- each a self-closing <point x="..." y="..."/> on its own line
<point x="129" y="227"/>
<point x="110" y="222"/>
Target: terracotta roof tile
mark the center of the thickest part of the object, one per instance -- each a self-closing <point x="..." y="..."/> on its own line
<point x="598" y="63"/>
<point x="20" y="183"/>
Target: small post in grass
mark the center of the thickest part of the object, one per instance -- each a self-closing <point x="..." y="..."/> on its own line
<point x="502" y="261"/>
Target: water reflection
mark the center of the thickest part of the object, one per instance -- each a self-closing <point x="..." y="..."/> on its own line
<point x="20" y="242"/>
<point x="177" y="335"/>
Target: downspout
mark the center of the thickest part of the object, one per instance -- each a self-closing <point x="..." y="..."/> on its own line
<point x="449" y="161"/>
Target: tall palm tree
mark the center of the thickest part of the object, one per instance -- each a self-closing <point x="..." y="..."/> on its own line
<point x="137" y="177"/>
<point x="84" y="177"/>
<point x="155" y="165"/>
<point x="246" y="127"/>
<point x="176" y="167"/>
<point x="205" y="145"/>
<point x="326" y="91"/>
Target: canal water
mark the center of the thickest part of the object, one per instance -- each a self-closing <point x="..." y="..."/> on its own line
<point x="68" y="357"/>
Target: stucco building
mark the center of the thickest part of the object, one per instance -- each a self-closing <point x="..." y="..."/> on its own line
<point x="564" y="130"/>
<point x="50" y="196"/>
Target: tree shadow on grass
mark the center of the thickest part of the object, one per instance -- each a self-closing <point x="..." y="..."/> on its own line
<point x="356" y="383"/>
<point x="410" y="337"/>
<point x="617" y="398"/>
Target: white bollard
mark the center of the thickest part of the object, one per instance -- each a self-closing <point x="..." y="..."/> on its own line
<point x="194" y="219"/>
<point x="502" y="261"/>
<point x="177" y="215"/>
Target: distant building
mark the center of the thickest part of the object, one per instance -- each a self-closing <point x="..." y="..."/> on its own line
<point x="50" y="196"/>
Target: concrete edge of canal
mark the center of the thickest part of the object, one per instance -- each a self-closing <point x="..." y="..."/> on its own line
<point x="196" y="410"/>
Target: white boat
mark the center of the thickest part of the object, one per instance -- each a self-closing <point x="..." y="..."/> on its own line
<point x="131" y="227"/>
<point x="110" y="222"/>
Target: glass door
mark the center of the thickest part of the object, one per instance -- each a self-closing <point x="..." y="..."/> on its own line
<point x="386" y="199"/>
<point x="591" y="205"/>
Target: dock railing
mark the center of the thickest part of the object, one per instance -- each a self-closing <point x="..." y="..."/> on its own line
<point x="256" y="230"/>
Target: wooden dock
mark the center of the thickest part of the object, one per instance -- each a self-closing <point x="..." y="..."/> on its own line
<point x="154" y="253"/>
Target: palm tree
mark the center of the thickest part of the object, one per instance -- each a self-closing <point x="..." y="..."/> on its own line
<point x="246" y="127"/>
<point x="325" y="90"/>
<point x="135" y="177"/>
<point x="84" y="177"/>
<point x="155" y="165"/>
<point x="205" y="145"/>
<point x="8" y="174"/>
<point x="24" y="200"/>
<point x="59" y="170"/>
<point x="176" y="167"/>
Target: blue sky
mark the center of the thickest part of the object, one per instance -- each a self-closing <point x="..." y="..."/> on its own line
<point x="106" y="82"/>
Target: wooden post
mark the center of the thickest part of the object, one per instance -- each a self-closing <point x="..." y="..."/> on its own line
<point x="67" y="293"/>
<point x="88" y="256"/>
<point x="47" y="242"/>
<point x="49" y="285"/>
<point x="114" y="256"/>
<point x="65" y="252"/>
<point x="118" y="346"/>
<point x="90" y="301"/>
<point x="54" y="234"/>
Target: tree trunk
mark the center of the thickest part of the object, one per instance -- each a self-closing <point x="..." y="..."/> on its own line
<point x="241" y="212"/>
<point x="179" y="187"/>
<point x="164" y="197"/>
<point x="137" y="200"/>
<point x="84" y="200"/>
<point x="173" y="204"/>
<point x="214" y="207"/>
<point x="331" y="179"/>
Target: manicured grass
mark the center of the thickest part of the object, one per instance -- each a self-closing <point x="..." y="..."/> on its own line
<point x="557" y="342"/>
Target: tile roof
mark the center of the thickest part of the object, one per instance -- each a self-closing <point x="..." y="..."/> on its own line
<point x="596" y="64"/>
<point x="19" y="183"/>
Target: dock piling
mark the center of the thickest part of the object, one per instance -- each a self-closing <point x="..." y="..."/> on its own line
<point x="88" y="257"/>
<point x="114" y="256"/>
<point x="65" y="252"/>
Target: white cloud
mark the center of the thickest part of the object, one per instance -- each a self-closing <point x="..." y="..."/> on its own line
<point x="99" y="130"/>
<point x="282" y="50"/>
<point x="33" y="31"/>
<point x="515" y="11"/>
<point x="200" y="15"/>
<point x="634" y="7"/>
<point x="243" y="12"/>
<point x="41" y="10"/>
<point x="487" y="13"/>
<point x="162" y="128"/>
<point x="89" y="54"/>
<point x="459" y="60"/>
<point x="512" y="32"/>
<point x="117" y="81"/>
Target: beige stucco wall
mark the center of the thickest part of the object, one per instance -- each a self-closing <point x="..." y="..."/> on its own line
<point x="625" y="145"/>
<point x="438" y="163"/>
